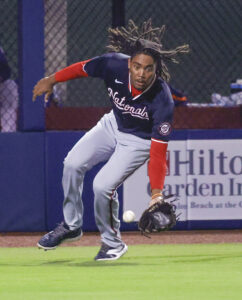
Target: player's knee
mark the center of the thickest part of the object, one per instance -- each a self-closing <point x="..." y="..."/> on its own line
<point x="100" y="186"/>
<point x="72" y="166"/>
<point x="97" y="186"/>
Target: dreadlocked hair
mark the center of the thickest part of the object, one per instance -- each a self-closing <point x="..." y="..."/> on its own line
<point x="147" y="40"/>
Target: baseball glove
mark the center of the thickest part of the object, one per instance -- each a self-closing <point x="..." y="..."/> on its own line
<point x="158" y="217"/>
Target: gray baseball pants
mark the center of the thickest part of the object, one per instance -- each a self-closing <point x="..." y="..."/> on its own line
<point x="123" y="152"/>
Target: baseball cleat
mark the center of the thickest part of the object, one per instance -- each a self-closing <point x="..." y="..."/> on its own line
<point x="60" y="234"/>
<point x="108" y="253"/>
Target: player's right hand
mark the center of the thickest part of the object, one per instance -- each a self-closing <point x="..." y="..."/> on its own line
<point x="44" y="86"/>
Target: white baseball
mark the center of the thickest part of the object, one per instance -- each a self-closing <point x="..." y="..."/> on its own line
<point x="128" y="216"/>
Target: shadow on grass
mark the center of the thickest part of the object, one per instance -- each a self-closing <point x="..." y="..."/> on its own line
<point x="104" y="264"/>
<point x="90" y="263"/>
<point x="71" y="263"/>
<point x="128" y="261"/>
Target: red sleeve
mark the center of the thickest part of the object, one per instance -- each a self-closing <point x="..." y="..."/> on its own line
<point x="73" y="71"/>
<point x="157" y="164"/>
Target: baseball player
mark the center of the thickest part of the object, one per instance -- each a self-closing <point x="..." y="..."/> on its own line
<point x="137" y="128"/>
<point x="8" y="96"/>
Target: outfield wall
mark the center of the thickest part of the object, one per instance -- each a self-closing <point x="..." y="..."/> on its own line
<point x="205" y="164"/>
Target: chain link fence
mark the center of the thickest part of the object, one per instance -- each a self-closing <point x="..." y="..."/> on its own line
<point x="74" y="31"/>
<point x="9" y="98"/>
<point x="212" y="28"/>
<point x="77" y="30"/>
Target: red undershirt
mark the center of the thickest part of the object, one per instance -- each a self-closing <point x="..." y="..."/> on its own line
<point x="157" y="162"/>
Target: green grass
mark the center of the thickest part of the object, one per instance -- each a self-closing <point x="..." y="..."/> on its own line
<point x="170" y="272"/>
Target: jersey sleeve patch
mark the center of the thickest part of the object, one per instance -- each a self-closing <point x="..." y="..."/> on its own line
<point x="164" y="128"/>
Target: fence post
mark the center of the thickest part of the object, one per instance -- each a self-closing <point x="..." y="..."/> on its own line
<point x="31" y="63"/>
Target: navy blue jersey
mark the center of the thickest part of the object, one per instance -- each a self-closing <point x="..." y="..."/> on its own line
<point x="148" y="115"/>
<point x="5" y="71"/>
<point x="178" y="96"/>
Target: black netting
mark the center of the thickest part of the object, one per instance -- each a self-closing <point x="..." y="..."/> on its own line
<point x="76" y="30"/>
<point x="8" y="65"/>
<point x="212" y="28"/>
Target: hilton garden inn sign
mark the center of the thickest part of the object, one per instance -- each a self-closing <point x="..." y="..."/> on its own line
<point x="206" y="175"/>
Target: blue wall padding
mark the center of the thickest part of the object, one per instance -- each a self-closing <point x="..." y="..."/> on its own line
<point x="22" y="184"/>
<point x="31" y="63"/>
<point x="31" y="195"/>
